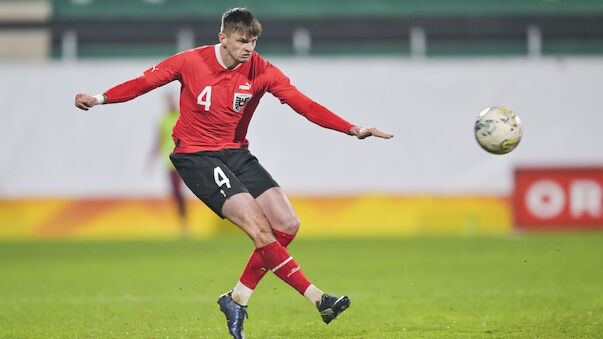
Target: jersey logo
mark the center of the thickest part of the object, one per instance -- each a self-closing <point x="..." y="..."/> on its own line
<point x="245" y="87"/>
<point x="240" y="100"/>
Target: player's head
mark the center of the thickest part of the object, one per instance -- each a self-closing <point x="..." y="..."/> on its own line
<point x="241" y="21"/>
<point x="239" y="33"/>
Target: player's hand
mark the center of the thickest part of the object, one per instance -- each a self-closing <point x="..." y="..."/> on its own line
<point x="361" y="132"/>
<point x="85" y="101"/>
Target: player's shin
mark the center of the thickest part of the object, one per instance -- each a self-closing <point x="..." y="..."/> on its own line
<point x="254" y="271"/>
<point x="284" y="238"/>
<point x="314" y="294"/>
<point x="276" y="257"/>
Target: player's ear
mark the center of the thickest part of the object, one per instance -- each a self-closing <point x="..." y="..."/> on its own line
<point x="222" y="37"/>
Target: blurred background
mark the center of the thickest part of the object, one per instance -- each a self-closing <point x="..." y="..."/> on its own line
<point x="421" y="70"/>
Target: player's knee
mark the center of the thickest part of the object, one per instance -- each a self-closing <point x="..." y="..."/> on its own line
<point x="290" y="225"/>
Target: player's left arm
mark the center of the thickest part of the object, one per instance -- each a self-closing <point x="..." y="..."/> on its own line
<point x="362" y="132"/>
<point x="281" y="88"/>
<point x="322" y="116"/>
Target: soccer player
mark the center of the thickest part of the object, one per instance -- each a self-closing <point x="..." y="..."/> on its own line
<point x="221" y="88"/>
<point x="164" y="147"/>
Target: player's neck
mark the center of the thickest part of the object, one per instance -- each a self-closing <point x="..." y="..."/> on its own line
<point x="228" y="60"/>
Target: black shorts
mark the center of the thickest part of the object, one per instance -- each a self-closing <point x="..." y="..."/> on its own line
<point x="215" y="175"/>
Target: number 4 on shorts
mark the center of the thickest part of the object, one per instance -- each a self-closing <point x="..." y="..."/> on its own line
<point x="220" y="177"/>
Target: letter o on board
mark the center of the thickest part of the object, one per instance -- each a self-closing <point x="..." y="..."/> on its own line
<point x="545" y="199"/>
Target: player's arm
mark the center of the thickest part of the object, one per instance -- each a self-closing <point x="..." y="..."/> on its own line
<point x="361" y="132"/>
<point x="85" y="101"/>
<point x="165" y="72"/>
<point x="316" y="113"/>
<point x="322" y="116"/>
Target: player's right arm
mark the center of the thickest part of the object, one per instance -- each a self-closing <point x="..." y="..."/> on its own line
<point x="165" y="72"/>
<point x="85" y="101"/>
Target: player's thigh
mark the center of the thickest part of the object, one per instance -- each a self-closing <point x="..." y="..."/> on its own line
<point x="208" y="177"/>
<point x="278" y="210"/>
<point x="265" y="189"/>
<point x="244" y="211"/>
<point x="249" y="171"/>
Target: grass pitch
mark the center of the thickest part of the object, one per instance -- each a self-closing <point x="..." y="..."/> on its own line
<point x="512" y="287"/>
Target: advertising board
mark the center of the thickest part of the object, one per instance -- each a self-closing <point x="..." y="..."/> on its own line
<point x="558" y="198"/>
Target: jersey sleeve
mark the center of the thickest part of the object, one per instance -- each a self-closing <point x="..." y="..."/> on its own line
<point x="280" y="86"/>
<point x="165" y="72"/>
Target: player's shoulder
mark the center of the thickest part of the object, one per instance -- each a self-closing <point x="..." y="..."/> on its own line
<point x="206" y="49"/>
<point x="258" y="61"/>
<point x="260" y="64"/>
<point x="195" y="53"/>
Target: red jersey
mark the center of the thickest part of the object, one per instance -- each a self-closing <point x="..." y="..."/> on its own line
<point x="217" y="103"/>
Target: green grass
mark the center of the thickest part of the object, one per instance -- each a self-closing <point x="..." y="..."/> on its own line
<point x="526" y="286"/>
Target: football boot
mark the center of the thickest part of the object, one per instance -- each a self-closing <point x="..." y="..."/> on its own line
<point x="330" y="307"/>
<point x="235" y="314"/>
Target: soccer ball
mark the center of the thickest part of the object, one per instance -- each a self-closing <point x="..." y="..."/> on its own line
<point x="498" y="130"/>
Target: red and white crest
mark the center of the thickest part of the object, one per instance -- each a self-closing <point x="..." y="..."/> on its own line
<point x="240" y="100"/>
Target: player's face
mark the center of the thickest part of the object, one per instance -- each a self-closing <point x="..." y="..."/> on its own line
<point x="238" y="46"/>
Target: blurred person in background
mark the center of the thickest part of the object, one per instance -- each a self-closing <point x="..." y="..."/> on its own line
<point x="163" y="148"/>
<point x="221" y="87"/>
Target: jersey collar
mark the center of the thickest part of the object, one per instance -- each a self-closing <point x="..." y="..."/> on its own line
<point x="217" y="50"/>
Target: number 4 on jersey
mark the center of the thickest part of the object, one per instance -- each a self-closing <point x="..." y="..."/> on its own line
<point x="204" y="99"/>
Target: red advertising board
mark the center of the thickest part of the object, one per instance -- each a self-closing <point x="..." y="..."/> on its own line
<point x="558" y="198"/>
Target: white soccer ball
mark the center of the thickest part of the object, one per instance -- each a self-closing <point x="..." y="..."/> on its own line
<point x="498" y="130"/>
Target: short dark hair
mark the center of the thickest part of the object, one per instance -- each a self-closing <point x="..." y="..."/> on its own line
<point x="240" y="20"/>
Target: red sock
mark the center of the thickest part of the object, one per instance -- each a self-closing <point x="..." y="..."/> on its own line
<point x="276" y="257"/>
<point x="255" y="270"/>
<point x="284" y="238"/>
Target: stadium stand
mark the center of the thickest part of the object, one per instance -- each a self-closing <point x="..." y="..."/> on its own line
<point x="24" y="31"/>
<point x="209" y="9"/>
<point x="114" y="28"/>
